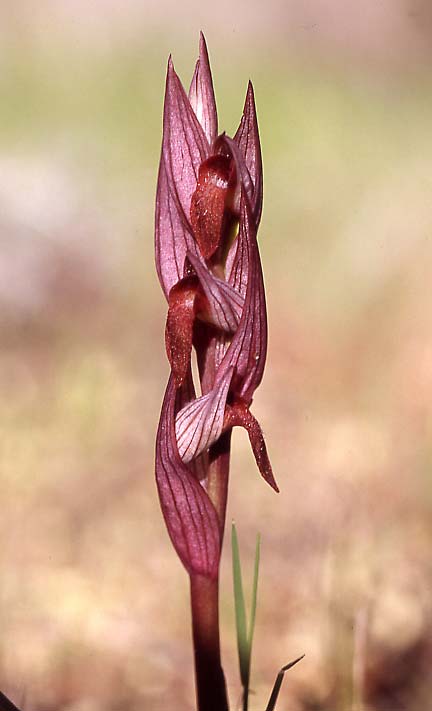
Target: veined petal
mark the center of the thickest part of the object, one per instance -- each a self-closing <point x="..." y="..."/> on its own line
<point x="184" y="144"/>
<point x="201" y="93"/>
<point x="185" y="395"/>
<point x="247" y="139"/>
<point x="247" y="351"/>
<point x="200" y="423"/>
<point x="224" y="303"/>
<point x="237" y="265"/>
<point x="243" y="172"/>
<point x="190" y="517"/>
<point x="239" y="415"/>
<point x="173" y="237"/>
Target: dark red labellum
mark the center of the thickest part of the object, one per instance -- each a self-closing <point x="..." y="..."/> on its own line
<point x="209" y="202"/>
<point x="179" y="326"/>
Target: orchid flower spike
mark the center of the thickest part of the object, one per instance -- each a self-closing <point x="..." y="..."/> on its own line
<point x="208" y="209"/>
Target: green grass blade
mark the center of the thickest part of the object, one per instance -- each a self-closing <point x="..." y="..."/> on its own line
<point x="254" y="595"/>
<point x="278" y="683"/>
<point x="240" y="612"/>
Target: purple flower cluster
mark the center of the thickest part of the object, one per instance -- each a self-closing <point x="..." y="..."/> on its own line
<point x="208" y="208"/>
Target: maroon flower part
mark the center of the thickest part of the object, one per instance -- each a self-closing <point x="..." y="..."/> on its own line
<point x="208" y="208"/>
<point x="242" y="364"/>
<point x="190" y="516"/>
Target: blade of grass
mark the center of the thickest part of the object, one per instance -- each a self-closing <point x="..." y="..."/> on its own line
<point x="278" y="683"/>
<point x="240" y="610"/>
<point x="254" y="595"/>
<point x="244" y="634"/>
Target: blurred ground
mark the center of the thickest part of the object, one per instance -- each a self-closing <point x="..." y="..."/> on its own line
<point x="92" y="598"/>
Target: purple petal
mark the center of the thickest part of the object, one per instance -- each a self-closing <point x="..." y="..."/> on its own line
<point x="200" y="423"/>
<point x="225" y="304"/>
<point x="242" y="172"/>
<point x="185" y="395"/>
<point x="237" y="266"/>
<point x="201" y="93"/>
<point x="190" y="516"/>
<point x="184" y="144"/>
<point x="172" y="236"/>
<point x="247" y="139"/>
<point x="247" y="351"/>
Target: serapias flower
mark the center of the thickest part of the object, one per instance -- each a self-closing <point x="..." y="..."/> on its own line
<point x="208" y="208"/>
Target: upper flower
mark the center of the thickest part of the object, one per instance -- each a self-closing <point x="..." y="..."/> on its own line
<point x="200" y="173"/>
<point x="208" y="208"/>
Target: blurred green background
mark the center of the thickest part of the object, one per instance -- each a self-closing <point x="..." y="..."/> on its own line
<point x="93" y="602"/>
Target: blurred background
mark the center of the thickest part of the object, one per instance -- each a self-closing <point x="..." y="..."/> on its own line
<point x="93" y="601"/>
